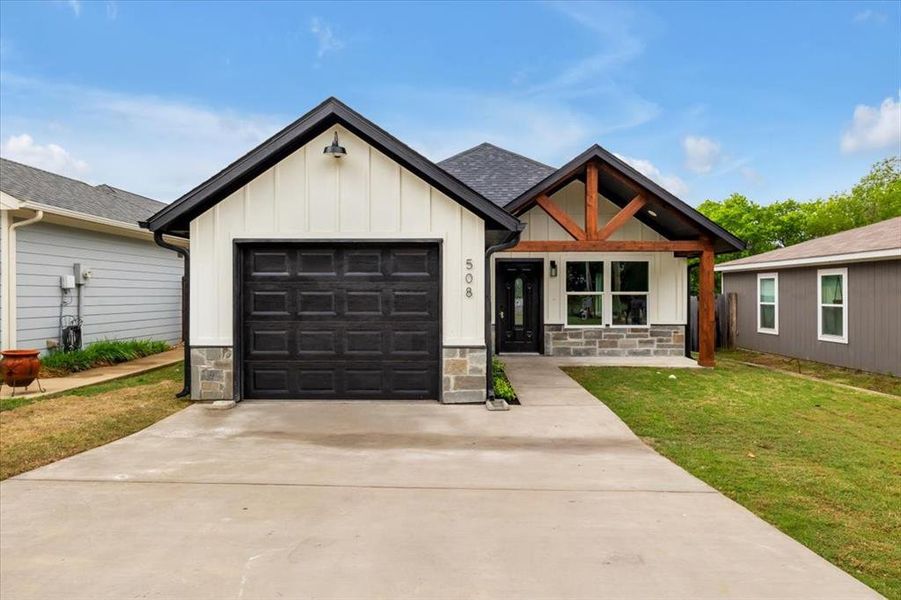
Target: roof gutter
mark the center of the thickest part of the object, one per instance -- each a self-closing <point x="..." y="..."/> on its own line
<point x="185" y="308"/>
<point x="491" y="402"/>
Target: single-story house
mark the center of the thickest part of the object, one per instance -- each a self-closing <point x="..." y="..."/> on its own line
<point x="334" y="261"/>
<point x="72" y="253"/>
<point x="834" y="300"/>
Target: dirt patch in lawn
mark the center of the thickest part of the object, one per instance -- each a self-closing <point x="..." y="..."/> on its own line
<point x="49" y="430"/>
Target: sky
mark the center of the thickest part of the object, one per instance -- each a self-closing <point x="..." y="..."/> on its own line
<point x="770" y="100"/>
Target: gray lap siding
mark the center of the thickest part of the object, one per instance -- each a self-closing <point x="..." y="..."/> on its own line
<point x="135" y="291"/>
<point x="874" y="316"/>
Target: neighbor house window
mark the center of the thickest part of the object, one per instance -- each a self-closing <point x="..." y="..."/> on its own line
<point x="629" y="292"/>
<point x="768" y="303"/>
<point x="832" y="305"/>
<point x="584" y="293"/>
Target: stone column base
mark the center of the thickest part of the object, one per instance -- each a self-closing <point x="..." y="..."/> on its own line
<point x="464" y="372"/>
<point x="212" y="373"/>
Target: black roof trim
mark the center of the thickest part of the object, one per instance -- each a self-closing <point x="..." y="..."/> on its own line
<point x="298" y="133"/>
<point x="595" y="152"/>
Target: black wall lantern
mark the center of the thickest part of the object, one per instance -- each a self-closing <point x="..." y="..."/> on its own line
<point x="553" y="268"/>
<point x="336" y="149"/>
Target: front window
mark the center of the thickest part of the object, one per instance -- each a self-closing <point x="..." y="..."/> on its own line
<point x="768" y="303"/>
<point x="832" y="300"/>
<point x="584" y="293"/>
<point x="629" y="288"/>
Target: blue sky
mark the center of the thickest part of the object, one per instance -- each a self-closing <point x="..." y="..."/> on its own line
<point x="769" y="100"/>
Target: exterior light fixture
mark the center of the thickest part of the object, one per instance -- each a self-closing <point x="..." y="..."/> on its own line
<point x="553" y="268"/>
<point x="652" y="213"/>
<point x="335" y="149"/>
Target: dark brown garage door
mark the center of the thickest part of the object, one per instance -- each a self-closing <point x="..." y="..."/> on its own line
<point x="331" y="321"/>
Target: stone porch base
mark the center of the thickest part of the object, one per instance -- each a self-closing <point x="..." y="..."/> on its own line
<point x="657" y="340"/>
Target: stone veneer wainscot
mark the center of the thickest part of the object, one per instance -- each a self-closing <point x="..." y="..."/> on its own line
<point x="212" y="373"/>
<point x="464" y="375"/>
<point x="657" y="340"/>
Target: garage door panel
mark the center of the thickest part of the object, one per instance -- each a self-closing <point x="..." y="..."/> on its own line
<point x="358" y="320"/>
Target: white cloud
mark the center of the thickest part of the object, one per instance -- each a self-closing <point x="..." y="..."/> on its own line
<point x="50" y="157"/>
<point x="326" y="39"/>
<point x="673" y="183"/>
<point x="75" y="5"/>
<point x="112" y="10"/>
<point x="869" y="15"/>
<point x="873" y="127"/>
<point x="701" y="153"/>
<point x="751" y="174"/>
<point x="159" y="147"/>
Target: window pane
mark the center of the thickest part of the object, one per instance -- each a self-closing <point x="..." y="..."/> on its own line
<point x="517" y="302"/>
<point x="630" y="309"/>
<point x="629" y="276"/>
<point x="831" y="286"/>
<point x="768" y="290"/>
<point x="583" y="310"/>
<point x="767" y="316"/>
<point x="832" y="320"/>
<point x="584" y="276"/>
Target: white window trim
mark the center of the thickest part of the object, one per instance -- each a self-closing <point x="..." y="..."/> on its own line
<point x="775" y="303"/>
<point x="838" y="339"/>
<point x="607" y="294"/>
<point x="605" y="269"/>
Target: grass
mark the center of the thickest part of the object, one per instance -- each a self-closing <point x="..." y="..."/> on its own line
<point x="98" y="354"/>
<point x="821" y="463"/>
<point x="887" y="384"/>
<point x="44" y="430"/>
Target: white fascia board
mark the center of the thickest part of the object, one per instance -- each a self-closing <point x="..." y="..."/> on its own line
<point x="813" y="261"/>
<point x="98" y="223"/>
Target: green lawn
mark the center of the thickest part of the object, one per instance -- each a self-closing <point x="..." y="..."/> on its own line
<point x="887" y="384"/>
<point x="43" y="430"/>
<point x="821" y="463"/>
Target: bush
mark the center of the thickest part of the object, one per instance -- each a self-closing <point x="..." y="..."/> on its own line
<point x="98" y="354"/>
<point x="502" y="387"/>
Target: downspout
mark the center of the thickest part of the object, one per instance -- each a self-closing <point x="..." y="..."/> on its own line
<point x="688" y="269"/>
<point x="492" y="403"/>
<point x="10" y="289"/>
<point x="185" y="308"/>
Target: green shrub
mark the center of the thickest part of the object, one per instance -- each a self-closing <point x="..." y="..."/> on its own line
<point x="98" y="354"/>
<point x="502" y="387"/>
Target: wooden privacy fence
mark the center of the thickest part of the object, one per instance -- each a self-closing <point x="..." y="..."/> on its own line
<point x="725" y="308"/>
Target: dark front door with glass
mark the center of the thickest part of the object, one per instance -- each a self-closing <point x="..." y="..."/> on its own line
<point x="518" y="306"/>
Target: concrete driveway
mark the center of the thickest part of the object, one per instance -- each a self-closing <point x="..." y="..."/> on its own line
<point x="554" y="499"/>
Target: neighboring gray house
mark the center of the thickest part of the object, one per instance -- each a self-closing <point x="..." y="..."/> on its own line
<point x="835" y="299"/>
<point x="128" y="286"/>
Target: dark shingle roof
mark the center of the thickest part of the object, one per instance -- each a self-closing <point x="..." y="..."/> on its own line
<point x="29" y="184"/>
<point x="497" y="174"/>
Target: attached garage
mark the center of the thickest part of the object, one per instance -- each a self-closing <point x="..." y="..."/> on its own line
<point x="334" y="262"/>
<point x="340" y="320"/>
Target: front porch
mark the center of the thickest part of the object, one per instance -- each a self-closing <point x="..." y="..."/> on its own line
<point x="602" y="271"/>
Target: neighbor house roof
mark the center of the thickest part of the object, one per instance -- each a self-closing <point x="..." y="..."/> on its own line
<point x="176" y="217"/>
<point x="870" y="242"/>
<point x="496" y="173"/>
<point x="39" y="187"/>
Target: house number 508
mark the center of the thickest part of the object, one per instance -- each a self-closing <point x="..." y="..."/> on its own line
<point x="468" y="278"/>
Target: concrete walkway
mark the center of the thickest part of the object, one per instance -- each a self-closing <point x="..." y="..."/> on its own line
<point x="552" y="499"/>
<point x="99" y="375"/>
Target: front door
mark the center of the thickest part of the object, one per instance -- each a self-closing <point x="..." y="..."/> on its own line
<point x="518" y="305"/>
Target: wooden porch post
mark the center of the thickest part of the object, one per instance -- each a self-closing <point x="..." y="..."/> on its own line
<point x="706" y="315"/>
<point x="591" y="201"/>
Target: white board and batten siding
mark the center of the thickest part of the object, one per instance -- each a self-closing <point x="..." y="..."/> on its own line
<point x="135" y="291"/>
<point x="364" y="195"/>
<point x="667" y="276"/>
